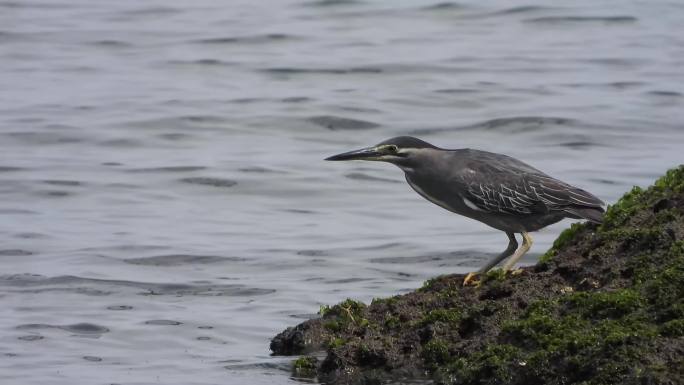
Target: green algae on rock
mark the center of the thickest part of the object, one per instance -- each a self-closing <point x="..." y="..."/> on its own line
<point x="605" y="305"/>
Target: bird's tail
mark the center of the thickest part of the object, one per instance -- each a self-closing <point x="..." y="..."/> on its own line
<point x="592" y="214"/>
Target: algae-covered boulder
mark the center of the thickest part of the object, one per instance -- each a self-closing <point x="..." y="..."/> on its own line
<point x="604" y="306"/>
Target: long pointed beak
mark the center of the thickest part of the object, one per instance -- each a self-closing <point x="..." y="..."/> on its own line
<point x="369" y="153"/>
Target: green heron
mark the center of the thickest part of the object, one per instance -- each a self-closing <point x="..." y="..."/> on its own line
<point x="497" y="190"/>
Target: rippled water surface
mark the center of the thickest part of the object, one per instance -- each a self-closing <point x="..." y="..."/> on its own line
<point x="164" y="206"/>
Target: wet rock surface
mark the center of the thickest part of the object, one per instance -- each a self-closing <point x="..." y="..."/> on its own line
<point x="605" y="305"/>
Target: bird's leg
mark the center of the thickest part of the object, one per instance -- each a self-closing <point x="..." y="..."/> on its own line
<point x="524" y="248"/>
<point x="512" y="246"/>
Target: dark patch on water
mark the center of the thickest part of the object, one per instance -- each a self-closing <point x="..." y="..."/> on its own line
<point x="447" y="5"/>
<point x="28" y="283"/>
<point x="14" y="253"/>
<point x="322" y="71"/>
<point x="604" y="181"/>
<point x="180" y="259"/>
<point x="30" y="235"/>
<point x="203" y="62"/>
<point x="284" y="366"/>
<point x="255" y="39"/>
<point x="616" y="62"/>
<point x="17" y="211"/>
<point x="38" y="137"/>
<point x="204" y="327"/>
<point x="296" y="99"/>
<point x="523" y="9"/>
<point x="312" y="253"/>
<point x="120" y="307"/>
<point x="152" y="11"/>
<point x="366" y="177"/>
<point x="163" y="322"/>
<point x="259" y="170"/>
<point x="31" y="337"/>
<point x="79" y="328"/>
<point x="516" y="124"/>
<point x="299" y="211"/>
<point x="583" y="19"/>
<point x="203" y="119"/>
<point x="443" y="259"/>
<point x="332" y="3"/>
<point x="340" y="123"/>
<point x="458" y="91"/>
<point x="578" y="144"/>
<point x="521" y="122"/>
<point x="10" y="169"/>
<point x="617" y="85"/>
<point x="168" y="169"/>
<point x="665" y="93"/>
<point x="56" y="182"/>
<point x="202" y="338"/>
<point x="347" y="280"/>
<point x="208" y="181"/>
<point x="92" y="358"/>
<point x="174" y="136"/>
<point x="111" y="43"/>
<point x="122" y="142"/>
<point x="54" y="193"/>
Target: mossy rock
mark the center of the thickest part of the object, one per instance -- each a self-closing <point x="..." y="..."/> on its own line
<point x="605" y="305"/>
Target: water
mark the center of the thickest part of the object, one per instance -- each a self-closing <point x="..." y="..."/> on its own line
<point x="165" y="208"/>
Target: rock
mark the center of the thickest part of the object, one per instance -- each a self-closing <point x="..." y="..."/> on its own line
<point x="605" y="305"/>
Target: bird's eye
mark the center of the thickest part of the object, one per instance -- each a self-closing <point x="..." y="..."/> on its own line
<point x="392" y="149"/>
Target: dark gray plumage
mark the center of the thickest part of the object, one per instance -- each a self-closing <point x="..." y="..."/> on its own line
<point x="498" y="190"/>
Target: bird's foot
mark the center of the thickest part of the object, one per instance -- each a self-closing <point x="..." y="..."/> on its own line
<point x="516" y="272"/>
<point x="470" y="280"/>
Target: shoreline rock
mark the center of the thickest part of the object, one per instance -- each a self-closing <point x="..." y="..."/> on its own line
<point x="605" y="305"/>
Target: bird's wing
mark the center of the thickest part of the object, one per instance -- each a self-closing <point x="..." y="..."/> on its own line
<point x="499" y="190"/>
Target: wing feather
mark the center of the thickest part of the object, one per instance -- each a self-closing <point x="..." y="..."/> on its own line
<point x="509" y="190"/>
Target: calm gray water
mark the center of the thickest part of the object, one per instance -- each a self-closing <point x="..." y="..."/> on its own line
<point x="164" y="206"/>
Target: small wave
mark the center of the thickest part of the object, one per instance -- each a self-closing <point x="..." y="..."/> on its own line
<point x="443" y="6"/>
<point x="15" y="253"/>
<point x="152" y="11"/>
<point x="255" y="39"/>
<point x="665" y="93"/>
<point x="582" y="19"/>
<point x="523" y="9"/>
<point x="163" y="322"/>
<point x="111" y="43"/>
<point x="167" y="169"/>
<point x="79" y="328"/>
<point x="208" y="181"/>
<point x="59" y="182"/>
<point x="180" y="259"/>
<point x="11" y="169"/>
<point x="362" y="176"/>
<point x="322" y="71"/>
<point x="296" y="99"/>
<point x="30" y="283"/>
<point x="120" y="307"/>
<point x="38" y="137"/>
<point x="332" y="3"/>
<point x="520" y="122"/>
<point x="339" y="123"/>
<point x="202" y="62"/>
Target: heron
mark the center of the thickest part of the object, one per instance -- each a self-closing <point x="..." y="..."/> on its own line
<point x="495" y="189"/>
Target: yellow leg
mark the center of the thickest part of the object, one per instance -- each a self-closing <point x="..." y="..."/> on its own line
<point x="470" y="279"/>
<point x="512" y="246"/>
<point x="524" y="248"/>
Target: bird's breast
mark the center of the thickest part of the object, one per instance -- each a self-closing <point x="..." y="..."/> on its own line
<point x="442" y="195"/>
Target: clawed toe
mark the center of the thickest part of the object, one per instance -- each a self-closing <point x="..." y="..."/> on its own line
<point x="470" y="280"/>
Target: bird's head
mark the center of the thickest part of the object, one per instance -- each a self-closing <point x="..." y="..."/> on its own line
<point x="400" y="151"/>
